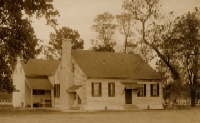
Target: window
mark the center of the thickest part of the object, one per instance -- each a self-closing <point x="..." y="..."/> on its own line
<point x="111" y="89"/>
<point x="74" y="95"/>
<point x="142" y="91"/>
<point x="154" y="90"/>
<point x="96" y="89"/>
<point x="57" y="90"/>
<point x="38" y="92"/>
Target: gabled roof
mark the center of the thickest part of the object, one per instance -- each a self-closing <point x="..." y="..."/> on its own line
<point x="40" y="67"/>
<point x="113" y="65"/>
<point x="39" y="83"/>
<point x="97" y="65"/>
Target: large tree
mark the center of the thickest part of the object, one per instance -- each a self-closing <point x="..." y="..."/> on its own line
<point x="105" y="28"/>
<point x="168" y="39"/>
<point x="185" y="36"/>
<point x="16" y="34"/>
<point x="55" y="43"/>
<point x="125" y="23"/>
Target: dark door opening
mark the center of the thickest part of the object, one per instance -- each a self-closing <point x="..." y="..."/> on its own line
<point x="128" y="96"/>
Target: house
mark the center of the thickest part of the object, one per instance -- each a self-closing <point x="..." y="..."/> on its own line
<point x="34" y="82"/>
<point x="88" y="80"/>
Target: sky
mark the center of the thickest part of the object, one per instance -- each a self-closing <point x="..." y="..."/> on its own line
<point x="79" y="15"/>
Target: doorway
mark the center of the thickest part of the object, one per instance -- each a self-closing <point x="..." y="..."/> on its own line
<point x="128" y="96"/>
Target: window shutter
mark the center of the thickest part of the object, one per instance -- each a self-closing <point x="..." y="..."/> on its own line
<point x="157" y="90"/>
<point x="100" y="91"/>
<point x="59" y="90"/>
<point x="109" y="89"/>
<point x="55" y="90"/>
<point x="113" y="89"/>
<point x="92" y="88"/>
<point x="144" y="90"/>
<point x="151" y="89"/>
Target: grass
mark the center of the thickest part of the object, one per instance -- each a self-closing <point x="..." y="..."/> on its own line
<point x="141" y="116"/>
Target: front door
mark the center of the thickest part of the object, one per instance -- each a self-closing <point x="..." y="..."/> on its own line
<point x="128" y="96"/>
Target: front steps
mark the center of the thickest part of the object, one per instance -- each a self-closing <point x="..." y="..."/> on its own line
<point x="74" y="108"/>
<point x="130" y="107"/>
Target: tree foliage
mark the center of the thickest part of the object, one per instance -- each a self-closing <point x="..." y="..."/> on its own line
<point x="105" y="28"/>
<point x="175" y="42"/>
<point x="185" y="39"/>
<point x="56" y="42"/>
<point x="125" y="23"/>
<point x="16" y="34"/>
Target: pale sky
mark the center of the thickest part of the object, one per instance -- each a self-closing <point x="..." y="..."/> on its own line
<point x="79" y="15"/>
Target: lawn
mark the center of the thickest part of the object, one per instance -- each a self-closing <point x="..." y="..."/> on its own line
<point x="145" y="116"/>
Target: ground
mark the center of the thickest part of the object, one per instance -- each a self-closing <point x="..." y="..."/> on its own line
<point x="138" y="116"/>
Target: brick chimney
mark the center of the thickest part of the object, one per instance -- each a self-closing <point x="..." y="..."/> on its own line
<point x="66" y="80"/>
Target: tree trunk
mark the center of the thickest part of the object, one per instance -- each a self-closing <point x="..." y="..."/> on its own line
<point x="125" y="44"/>
<point x="193" y="96"/>
<point x="195" y="78"/>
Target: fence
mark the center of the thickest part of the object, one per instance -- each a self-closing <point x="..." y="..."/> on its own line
<point x="5" y="98"/>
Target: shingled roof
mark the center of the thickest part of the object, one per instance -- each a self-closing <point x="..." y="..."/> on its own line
<point x="40" y="67"/>
<point x="113" y="65"/>
<point x="98" y="65"/>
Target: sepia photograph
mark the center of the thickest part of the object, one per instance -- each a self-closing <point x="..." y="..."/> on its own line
<point x="99" y="61"/>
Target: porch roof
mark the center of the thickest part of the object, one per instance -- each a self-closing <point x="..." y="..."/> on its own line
<point x="39" y="83"/>
<point x="73" y="88"/>
<point x="133" y="85"/>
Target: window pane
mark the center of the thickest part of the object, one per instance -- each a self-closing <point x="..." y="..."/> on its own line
<point x="141" y="92"/>
<point x="57" y="90"/>
<point x="96" y="89"/>
<point x="111" y="89"/>
<point x="154" y="90"/>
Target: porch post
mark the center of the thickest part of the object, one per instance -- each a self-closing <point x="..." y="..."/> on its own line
<point x="52" y="98"/>
<point x="31" y="98"/>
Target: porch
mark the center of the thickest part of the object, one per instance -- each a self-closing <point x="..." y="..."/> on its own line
<point x="75" y="92"/>
<point x="144" y="95"/>
<point x="39" y="93"/>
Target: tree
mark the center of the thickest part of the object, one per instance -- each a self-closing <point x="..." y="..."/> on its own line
<point x="171" y="51"/>
<point x="142" y="11"/>
<point x="56" y="41"/>
<point x="173" y="42"/>
<point x="185" y="35"/>
<point x="105" y="28"/>
<point x="125" y="21"/>
<point x="16" y="34"/>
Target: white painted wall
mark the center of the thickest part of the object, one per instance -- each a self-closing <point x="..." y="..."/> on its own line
<point x="148" y="101"/>
<point x="117" y="102"/>
<point x="111" y="103"/>
<point x="55" y="79"/>
<point x="19" y="81"/>
<point x="27" y="95"/>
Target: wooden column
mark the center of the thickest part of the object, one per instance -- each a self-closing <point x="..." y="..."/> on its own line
<point x="31" y="98"/>
<point x="52" y="98"/>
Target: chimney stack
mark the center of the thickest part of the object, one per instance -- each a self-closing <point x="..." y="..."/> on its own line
<point x="66" y="78"/>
